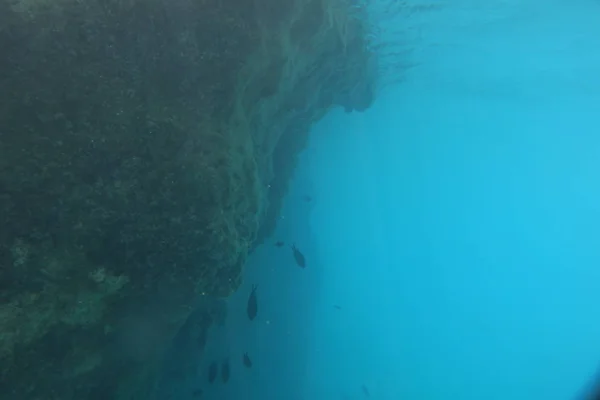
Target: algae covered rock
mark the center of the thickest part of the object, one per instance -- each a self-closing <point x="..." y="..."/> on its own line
<point x="144" y="148"/>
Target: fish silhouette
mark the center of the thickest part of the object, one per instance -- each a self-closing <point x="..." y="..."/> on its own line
<point x="225" y="371"/>
<point x="299" y="257"/>
<point x="212" y="371"/>
<point x="279" y="243"/>
<point x="365" y="391"/>
<point x="252" y="307"/>
<point x="246" y="360"/>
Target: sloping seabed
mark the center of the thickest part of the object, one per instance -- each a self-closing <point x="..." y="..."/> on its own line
<point x="137" y="155"/>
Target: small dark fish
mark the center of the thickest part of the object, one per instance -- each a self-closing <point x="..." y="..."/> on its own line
<point x="337" y="307"/>
<point x="212" y="371"/>
<point x="197" y="393"/>
<point x="279" y="243"/>
<point x="252" y="307"/>
<point x="365" y="391"/>
<point x="299" y="257"/>
<point x="307" y="198"/>
<point x="225" y="371"/>
<point x="246" y="360"/>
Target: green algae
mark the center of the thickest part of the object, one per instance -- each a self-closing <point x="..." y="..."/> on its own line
<point x="145" y="148"/>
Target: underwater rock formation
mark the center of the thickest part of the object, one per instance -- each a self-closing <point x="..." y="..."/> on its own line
<point x="144" y="149"/>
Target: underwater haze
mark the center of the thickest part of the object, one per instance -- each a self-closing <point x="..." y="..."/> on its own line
<point x="299" y="199"/>
<point x="451" y="232"/>
<point x="457" y="222"/>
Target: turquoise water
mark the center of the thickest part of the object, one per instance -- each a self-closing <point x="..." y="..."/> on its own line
<point x="456" y="224"/>
<point x="459" y="219"/>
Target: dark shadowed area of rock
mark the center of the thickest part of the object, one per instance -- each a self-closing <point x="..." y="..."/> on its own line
<point x="145" y="146"/>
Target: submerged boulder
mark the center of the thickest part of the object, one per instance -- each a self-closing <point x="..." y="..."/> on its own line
<point x="144" y="149"/>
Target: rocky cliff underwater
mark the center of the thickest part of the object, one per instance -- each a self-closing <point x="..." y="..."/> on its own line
<point x="145" y="147"/>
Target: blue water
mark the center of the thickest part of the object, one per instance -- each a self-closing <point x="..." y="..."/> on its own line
<point x="456" y="224"/>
